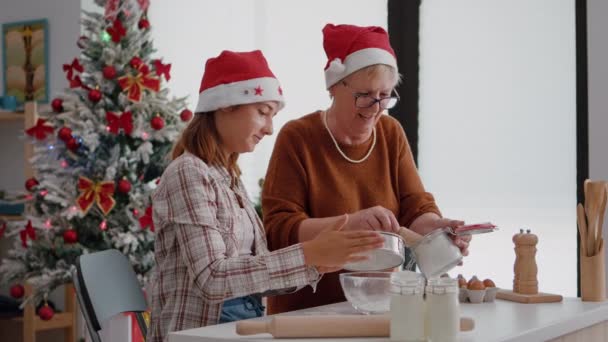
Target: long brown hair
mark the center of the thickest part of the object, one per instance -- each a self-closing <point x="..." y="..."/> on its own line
<point x="202" y="139"/>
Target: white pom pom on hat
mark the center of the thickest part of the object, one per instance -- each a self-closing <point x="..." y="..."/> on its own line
<point x="350" y="48"/>
<point x="234" y="78"/>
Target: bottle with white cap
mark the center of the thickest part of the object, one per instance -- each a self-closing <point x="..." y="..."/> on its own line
<point x="407" y="307"/>
<point x="442" y="310"/>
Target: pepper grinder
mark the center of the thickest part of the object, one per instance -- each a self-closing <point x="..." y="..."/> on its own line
<point x="525" y="280"/>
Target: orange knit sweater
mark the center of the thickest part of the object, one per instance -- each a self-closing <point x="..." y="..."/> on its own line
<point x="308" y="178"/>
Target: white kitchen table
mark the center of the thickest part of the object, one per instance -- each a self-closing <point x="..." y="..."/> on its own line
<point x="570" y="320"/>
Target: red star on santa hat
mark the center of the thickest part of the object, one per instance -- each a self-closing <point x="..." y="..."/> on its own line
<point x="280" y="91"/>
<point x="258" y="90"/>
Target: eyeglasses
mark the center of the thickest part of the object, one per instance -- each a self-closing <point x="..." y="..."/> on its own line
<point x="366" y="101"/>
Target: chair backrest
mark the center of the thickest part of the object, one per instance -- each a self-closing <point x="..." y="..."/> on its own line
<point x="106" y="286"/>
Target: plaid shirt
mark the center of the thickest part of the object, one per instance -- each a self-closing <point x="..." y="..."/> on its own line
<point x="198" y="265"/>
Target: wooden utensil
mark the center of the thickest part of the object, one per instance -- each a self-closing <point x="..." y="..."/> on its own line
<point x="602" y="211"/>
<point x="593" y="193"/>
<point x="327" y="326"/>
<point x="582" y="227"/>
<point x="589" y="228"/>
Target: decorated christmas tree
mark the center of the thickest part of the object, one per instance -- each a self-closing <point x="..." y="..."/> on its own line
<point x="97" y="155"/>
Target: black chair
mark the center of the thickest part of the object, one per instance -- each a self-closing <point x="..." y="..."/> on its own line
<point x="106" y="285"/>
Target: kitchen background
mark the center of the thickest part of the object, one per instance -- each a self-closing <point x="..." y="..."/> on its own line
<point x="497" y="102"/>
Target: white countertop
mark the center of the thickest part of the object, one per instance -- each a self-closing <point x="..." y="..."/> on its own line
<point x="499" y="321"/>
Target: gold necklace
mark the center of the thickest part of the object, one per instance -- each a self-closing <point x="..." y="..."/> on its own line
<point x="340" y="150"/>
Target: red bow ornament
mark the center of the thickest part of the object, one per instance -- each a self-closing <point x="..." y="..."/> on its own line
<point x="115" y="122"/>
<point x="162" y="69"/>
<point x="92" y="192"/>
<point x="134" y="85"/>
<point x="70" y="68"/>
<point x="117" y="31"/>
<point x="146" y="220"/>
<point x="39" y="130"/>
<point x="27" y="232"/>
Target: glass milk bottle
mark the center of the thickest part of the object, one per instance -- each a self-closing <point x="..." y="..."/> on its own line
<point x="442" y="310"/>
<point x="407" y="307"/>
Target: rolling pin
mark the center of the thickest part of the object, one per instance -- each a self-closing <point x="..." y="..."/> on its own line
<point x="326" y="326"/>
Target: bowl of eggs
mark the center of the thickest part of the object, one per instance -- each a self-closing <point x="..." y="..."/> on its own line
<point x="476" y="291"/>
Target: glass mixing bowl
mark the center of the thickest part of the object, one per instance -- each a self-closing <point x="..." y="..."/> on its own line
<point x="367" y="292"/>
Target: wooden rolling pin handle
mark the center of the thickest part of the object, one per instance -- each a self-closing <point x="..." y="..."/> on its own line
<point x="253" y="327"/>
<point x="410" y="237"/>
<point x="327" y="326"/>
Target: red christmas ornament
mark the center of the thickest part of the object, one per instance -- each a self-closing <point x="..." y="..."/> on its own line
<point x="143" y="24"/>
<point x="65" y="134"/>
<point x="124" y="186"/>
<point x="17" y="291"/>
<point x="31" y="183"/>
<point x="136" y="62"/>
<point x="157" y="123"/>
<point x="46" y="312"/>
<point x="185" y="115"/>
<point x="57" y="105"/>
<point x="70" y="236"/>
<point x="72" y="144"/>
<point x="109" y="72"/>
<point x="94" y="95"/>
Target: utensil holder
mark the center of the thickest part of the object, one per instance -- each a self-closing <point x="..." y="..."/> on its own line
<point x="593" y="277"/>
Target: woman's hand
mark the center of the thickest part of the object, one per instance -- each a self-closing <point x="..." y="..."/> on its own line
<point x="428" y="222"/>
<point x="375" y="218"/>
<point x="333" y="248"/>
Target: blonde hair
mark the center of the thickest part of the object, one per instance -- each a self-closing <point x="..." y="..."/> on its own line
<point x="202" y="139"/>
<point x="380" y="70"/>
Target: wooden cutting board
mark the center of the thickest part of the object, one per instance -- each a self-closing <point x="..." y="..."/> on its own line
<point x="527" y="298"/>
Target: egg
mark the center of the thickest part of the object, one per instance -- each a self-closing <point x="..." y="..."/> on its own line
<point x="476" y="285"/>
<point x="489" y="283"/>
<point x="474" y="278"/>
<point x="462" y="282"/>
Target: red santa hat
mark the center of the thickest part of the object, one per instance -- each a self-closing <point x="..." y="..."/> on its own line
<point x="350" y="48"/>
<point x="234" y="78"/>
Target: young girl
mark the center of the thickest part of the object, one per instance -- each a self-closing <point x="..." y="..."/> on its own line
<point x="212" y="261"/>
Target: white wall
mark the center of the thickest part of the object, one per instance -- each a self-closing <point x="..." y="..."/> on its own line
<point x="598" y="88"/>
<point x="63" y="20"/>
<point x="498" y="128"/>
<point x="188" y="32"/>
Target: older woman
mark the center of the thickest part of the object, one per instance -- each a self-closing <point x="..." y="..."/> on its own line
<point x="211" y="255"/>
<point x="349" y="158"/>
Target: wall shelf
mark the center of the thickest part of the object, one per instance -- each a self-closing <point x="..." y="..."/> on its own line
<point x="12" y="116"/>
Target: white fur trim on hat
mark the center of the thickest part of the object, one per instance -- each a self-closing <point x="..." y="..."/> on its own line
<point x="243" y="92"/>
<point x="356" y="61"/>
